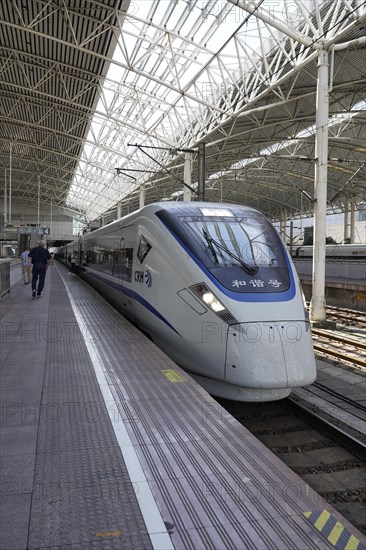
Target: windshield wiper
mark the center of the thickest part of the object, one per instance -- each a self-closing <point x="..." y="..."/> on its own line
<point x="209" y="242"/>
<point x="252" y="270"/>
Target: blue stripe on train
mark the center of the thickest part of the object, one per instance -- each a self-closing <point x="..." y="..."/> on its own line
<point x="132" y="294"/>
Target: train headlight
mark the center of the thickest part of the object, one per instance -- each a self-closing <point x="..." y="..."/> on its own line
<point x="208" y="297"/>
<point x="212" y="302"/>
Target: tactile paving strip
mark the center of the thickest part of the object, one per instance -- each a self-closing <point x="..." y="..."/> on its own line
<point x="82" y="494"/>
<point x="216" y="485"/>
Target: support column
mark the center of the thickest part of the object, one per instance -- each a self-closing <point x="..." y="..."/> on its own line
<point x="353" y="220"/>
<point x="10" y="178"/>
<point x="142" y="195"/>
<point x="346" y="221"/>
<point x="318" y="305"/>
<point x="283" y="223"/>
<point x="291" y="238"/>
<point x="201" y="171"/>
<point x="39" y="198"/>
<point x="187" y="177"/>
<point x="119" y="210"/>
<point x="6" y="198"/>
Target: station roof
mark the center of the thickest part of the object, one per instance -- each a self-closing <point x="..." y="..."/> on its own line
<point x="88" y="87"/>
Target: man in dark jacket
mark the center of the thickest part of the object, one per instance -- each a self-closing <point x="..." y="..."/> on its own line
<point x="40" y="257"/>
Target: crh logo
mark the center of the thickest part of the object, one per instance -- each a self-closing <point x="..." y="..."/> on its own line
<point x="148" y="278"/>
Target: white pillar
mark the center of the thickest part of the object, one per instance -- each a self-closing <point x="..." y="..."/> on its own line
<point x="119" y="210"/>
<point x="318" y="305"/>
<point x="187" y="177"/>
<point x="283" y="225"/>
<point x="201" y="171"/>
<point x="353" y="220"/>
<point x="10" y="178"/>
<point x="39" y="198"/>
<point x="291" y="237"/>
<point x="346" y="220"/>
<point x="6" y="198"/>
<point x="142" y="195"/>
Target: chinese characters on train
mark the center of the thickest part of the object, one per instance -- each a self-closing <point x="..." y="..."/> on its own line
<point x="257" y="283"/>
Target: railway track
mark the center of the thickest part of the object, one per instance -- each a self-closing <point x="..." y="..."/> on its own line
<point x="330" y="461"/>
<point x="351" y="316"/>
<point x="348" y="317"/>
<point x="343" y="348"/>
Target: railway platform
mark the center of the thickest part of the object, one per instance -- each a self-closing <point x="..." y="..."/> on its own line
<point x="339" y="395"/>
<point x="349" y="293"/>
<point x="106" y="443"/>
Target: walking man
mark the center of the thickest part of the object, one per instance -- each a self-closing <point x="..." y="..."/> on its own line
<point x="40" y="258"/>
<point x="27" y="266"/>
<point x="74" y="262"/>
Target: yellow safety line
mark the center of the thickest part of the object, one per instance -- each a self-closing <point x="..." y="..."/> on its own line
<point x="335" y="533"/>
<point x="322" y="520"/>
<point x="352" y="544"/>
<point x="338" y="529"/>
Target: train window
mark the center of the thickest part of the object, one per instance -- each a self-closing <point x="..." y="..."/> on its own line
<point x="244" y="253"/>
<point x="107" y="262"/>
<point x="222" y="212"/>
<point x="143" y="249"/>
<point x="233" y="241"/>
<point x="123" y="264"/>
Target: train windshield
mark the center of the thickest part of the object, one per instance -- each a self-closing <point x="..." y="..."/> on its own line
<point x="233" y="242"/>
<point x="243" y="252"/>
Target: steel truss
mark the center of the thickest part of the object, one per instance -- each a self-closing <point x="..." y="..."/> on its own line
<point x="239" y="76"/>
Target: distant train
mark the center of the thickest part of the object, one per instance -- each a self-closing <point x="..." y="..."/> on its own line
<point x="333" y="251"/>
<point x="343" y="262"/>
<point x="214" y="287"/>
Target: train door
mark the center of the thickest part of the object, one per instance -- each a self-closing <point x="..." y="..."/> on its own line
<point x="80" y="255"/>
<point x="122" y="267"/>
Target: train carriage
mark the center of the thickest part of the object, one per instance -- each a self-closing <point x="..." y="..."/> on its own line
<point x="214" y="287"/>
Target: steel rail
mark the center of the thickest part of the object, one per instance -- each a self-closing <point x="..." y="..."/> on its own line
<point x="337" y="338"/>
<point x="339" y="396"/>
<point x="340" y="434"/>
<point x="340" y="355"/>
<point x="349" y="317"/>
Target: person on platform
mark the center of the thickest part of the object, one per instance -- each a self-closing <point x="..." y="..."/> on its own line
<point x="27" y="265"/>
<point x="40" y="260"/>
<point x="74" y="262"/>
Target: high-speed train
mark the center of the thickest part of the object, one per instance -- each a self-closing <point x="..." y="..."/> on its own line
<point x="333" y="251"/>
<point x="343" y="262"/>
<point x="214" y="287"/>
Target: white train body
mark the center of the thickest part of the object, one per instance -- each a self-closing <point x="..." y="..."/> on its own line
<point x="214" y="287"/>
<point x="342" y="262"/>
<point x="333" y="251"/>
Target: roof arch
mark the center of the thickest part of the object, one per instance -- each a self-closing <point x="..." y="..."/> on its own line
<point x="79" y="84"/>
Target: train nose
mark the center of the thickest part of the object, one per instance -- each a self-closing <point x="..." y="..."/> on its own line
<point x="270" y="354"/>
